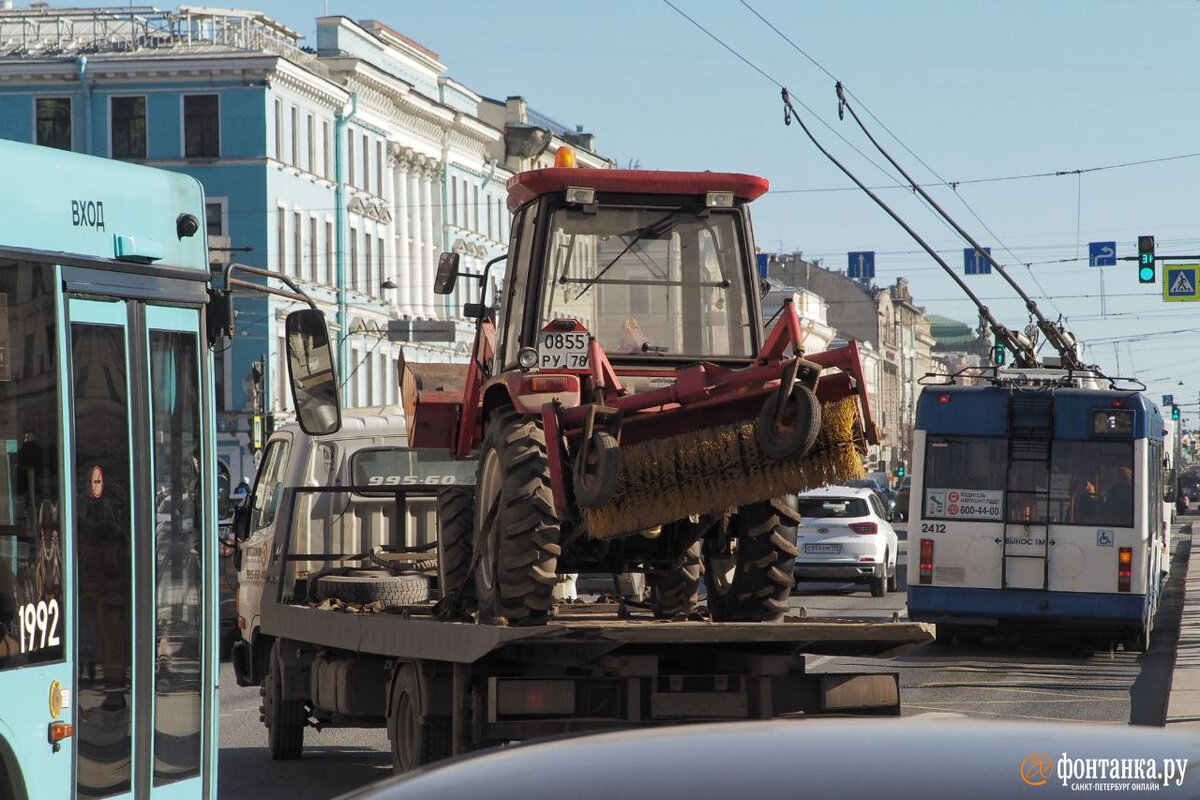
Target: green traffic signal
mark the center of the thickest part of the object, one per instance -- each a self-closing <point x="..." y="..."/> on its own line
<point x="1174" y="412"/>
<point x="1145" y="259"/>
<point x="1000" y="353"/>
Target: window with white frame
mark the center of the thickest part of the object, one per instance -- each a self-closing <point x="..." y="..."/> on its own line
<point x="327" y="272"/>
<point x="281" y="239"/>
<point x="312" y="248"/>
<point x="369" y="288"/>
<point x="352" y="278"/>
<point x="326" y="151"/>
<point x="311" y="130"/>
<point x="297" y="245"/>
<point x="379" y="160"/>
<point x="366" y="156"/>
<point x="295" y="136"/>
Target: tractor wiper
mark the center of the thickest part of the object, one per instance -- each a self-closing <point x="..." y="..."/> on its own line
<point x="653" y="230"/>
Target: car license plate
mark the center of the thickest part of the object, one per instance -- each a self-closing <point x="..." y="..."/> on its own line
<point x="559" y="350"/>
<point x="822" y="548"/>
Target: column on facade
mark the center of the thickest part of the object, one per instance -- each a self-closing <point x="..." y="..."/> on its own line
<point x="402" y="209"/>
<point x="427" y="241"/>
<point x="417" y="212"/>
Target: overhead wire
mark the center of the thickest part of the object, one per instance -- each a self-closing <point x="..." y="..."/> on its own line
<point x="1044" y="294"/>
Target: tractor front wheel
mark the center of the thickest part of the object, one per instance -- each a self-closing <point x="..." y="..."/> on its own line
<point x="749" y="575"/>
<point x="516" y="525"/>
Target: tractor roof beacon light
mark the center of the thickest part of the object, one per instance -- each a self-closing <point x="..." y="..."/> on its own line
<point x="564" y="157"/>
<point x="1145" y="259"/>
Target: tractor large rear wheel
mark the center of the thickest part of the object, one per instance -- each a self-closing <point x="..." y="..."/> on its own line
<point x="675" y="593"/>
<point x="516" y="525"/>
<point x="749" y="576"/>
<point x="456" y="532"/>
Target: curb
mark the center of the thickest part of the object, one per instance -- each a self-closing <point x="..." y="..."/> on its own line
<point x="1183" y="704"/>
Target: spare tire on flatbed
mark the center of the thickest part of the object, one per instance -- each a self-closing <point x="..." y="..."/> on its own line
<point x="370" y="585"/>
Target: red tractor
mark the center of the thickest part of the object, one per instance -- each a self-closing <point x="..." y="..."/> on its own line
<point x="627" y="408"/>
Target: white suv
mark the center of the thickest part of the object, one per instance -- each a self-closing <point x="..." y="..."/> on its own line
<point x="844" y="535"/>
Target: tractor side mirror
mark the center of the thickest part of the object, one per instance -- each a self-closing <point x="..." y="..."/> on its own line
<point x="447" y="273"/>
<point x="313" y="376"/>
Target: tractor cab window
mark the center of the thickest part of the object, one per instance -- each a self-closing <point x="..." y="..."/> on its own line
<point x="650" y="282"/>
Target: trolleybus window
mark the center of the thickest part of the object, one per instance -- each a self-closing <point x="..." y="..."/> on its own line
<point x="175" y="374"/>
<point x="32" y="613"/>
<point x="1087" y="483"/>
<point x="103" y="532"/>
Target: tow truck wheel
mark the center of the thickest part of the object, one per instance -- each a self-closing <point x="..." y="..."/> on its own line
<point x="750" y="577"/>
<point x="417" y="739"/>
<point x="790" y="432"/>
<point x="456" y="529"/>
<point x="284" y="718"/>
<point x="516" y="525"/>
<point x="675" y="592"/>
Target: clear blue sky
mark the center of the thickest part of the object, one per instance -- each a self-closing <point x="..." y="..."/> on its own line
<point x="976" y="88"/>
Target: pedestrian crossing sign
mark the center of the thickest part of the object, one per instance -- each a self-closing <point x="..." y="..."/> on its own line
<point x="1180" y="283"/>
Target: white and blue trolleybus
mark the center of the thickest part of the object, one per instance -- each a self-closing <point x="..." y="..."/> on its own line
<point x="1037" y="503"/>
<point x="108" y="507"/>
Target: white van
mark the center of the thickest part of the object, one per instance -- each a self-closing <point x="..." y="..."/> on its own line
<point x="361" y="527"/>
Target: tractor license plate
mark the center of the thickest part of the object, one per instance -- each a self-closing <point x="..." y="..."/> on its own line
<point x="822" y="548"/>
<point x="559" y="350"/>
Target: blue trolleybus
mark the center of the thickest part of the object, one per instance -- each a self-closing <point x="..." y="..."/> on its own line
<point x="108" y="513"/>
<point x="1036" y="502"/>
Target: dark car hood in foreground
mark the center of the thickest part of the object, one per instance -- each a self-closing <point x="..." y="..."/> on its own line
<point x="930" y="757"/>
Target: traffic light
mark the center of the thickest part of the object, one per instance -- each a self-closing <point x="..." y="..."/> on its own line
<point x="1000" y="352"/>
<point x="900" y="470"/>
<point x="1145" y="259"/>
<point x="1174" y="412"/>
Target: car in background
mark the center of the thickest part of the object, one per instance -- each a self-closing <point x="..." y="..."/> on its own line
<point x="886" y="495"/>
<point x="844" y="535"/>
<point x="902" y="494"/>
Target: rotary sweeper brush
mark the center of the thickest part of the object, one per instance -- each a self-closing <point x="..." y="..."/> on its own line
<point x="628" y="410"/>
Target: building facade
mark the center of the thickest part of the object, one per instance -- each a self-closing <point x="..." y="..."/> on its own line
<point x="348" y="168"/>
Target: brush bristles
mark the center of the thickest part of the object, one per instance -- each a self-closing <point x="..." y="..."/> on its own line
<point x="668" y="479"/>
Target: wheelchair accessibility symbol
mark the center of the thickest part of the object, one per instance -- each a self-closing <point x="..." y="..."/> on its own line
<point x="1104" y="538"/>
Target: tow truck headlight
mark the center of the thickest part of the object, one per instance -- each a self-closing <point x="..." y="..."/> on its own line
<point x="527" y="358"/>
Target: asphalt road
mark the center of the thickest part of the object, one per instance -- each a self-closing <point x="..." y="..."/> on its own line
<point x="1037" y="679"/>
<point x="1006" y="680"/>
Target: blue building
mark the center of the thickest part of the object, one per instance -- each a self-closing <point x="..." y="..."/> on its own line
<point x="348" y="168"/>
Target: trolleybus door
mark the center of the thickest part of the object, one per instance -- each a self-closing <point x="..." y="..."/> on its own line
<point x="142" y="502"/>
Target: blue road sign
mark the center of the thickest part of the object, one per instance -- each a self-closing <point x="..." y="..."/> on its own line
<point x="1102" y="254"/>
<point x="975" y="264"/>
<point x="1168" y="399"/>
<point x="763" y="260"/>
<point x="862" y="264"/>
<point x="1181" y="283"/>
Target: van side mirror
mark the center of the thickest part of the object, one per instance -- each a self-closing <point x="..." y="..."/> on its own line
<point x="447" y="273"/>
<point x="312" y="374"/>
<point x="1171" y="485"/>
